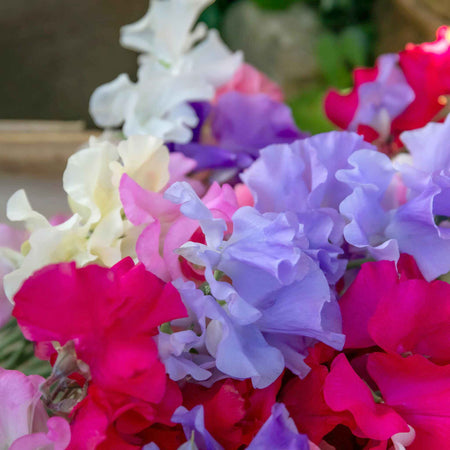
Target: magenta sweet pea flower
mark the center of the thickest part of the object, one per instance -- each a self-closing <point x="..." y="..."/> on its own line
<point x="419" y="391"/>
<point x="109" y="317"/>
<point x="345" y="391"/>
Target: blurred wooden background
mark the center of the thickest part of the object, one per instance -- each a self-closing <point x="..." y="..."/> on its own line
<point x="54" y="54"/>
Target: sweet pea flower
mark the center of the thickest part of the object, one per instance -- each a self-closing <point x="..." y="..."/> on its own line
<point x="234" y="411"/>
<point x="379" y="96"/>
<point x="304" y="182"/>
<point x="280" y="432"/>
<point x="418" y="224"/>
<point x="241" y="125"/>
<point x="166" y="31"/>
<point x="269" y="251"/>
<point x="193" y="423"/>
<point x="96" y="232"/>
<point x="109" y="316"/>
<point x="327" y="398"/>
<point x="175" y="70"/>
<point x="24" y="422"/>
<point x="427" y="411"/>
<point x="165" y="227"/>
<point x="401" y="314"/>
<point x="403" y="92"/>
<point x="426" y="68"/>
<point x="184" y="353"/>
<point x="11" y="241"/>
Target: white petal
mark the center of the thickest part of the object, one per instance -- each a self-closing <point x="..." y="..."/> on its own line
<point x="109" y="102"/>
<point x="165" y="30"/>
<point x="212" y="60"/>
<point x="65" y="242"/>
<point x="19" y="209"/>
<point x="146" y="160"/>
<point x="88" y="181"/>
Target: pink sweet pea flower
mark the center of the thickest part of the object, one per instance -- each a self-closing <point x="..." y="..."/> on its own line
<point x="325" y="399"/>
<point x="24" y="423"/>
<point x="345" y="391"/>
<point x="397" y="311"/>
<point x="248" y="80"/>
<point x="166" y="229"/>
<point x="419" y="391"/>
<point x="359" y="302"/>
<point x="426" y="67"/>
<point x="414" y="317"/>
<point x="374" y="282"/>
<point x="304" y="399"/>
<point x="110" y="316"/>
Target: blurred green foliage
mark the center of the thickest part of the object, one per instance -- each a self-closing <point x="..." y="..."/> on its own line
<point x="307" y="109"/>
<point x="348" y="42"/>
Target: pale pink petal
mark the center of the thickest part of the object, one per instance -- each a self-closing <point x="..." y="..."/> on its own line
<point x="58" y="437"/>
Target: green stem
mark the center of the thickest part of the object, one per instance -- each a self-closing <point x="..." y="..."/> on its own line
<point x="356" y="263"/>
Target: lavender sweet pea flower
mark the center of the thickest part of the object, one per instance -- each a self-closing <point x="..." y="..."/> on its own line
<point x="193" y="423"/>
<point x="175" y="349"/>
<point x="386" y="224"/>
<point x="278" y="292"/>
<point x="279" y="433"/>
<point x="365" y="207"/>
<point x="385" y="98"/>
<point x="242" y="125"/>
<point x="301" y="178"/>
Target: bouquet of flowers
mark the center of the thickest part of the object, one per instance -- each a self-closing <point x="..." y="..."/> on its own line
<point x="227" y="281"/>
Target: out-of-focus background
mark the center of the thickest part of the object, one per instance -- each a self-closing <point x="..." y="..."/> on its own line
<point x="56" y="52"/>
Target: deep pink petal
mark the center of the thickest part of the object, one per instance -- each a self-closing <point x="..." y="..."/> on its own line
<point x="345" y="391"/>
<point x="420" y="392"/>
<point x="360" y="301"/>
<point x="414" y="317"/>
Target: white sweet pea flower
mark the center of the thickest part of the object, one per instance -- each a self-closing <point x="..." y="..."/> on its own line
<point x="176" y="68"/>
<point x="210" y="60"/>
<point x="167" y="30"/>
<point x="157" y="104"/>
<point x="97" y="232"/>
<point x="87" y="181"/>
<point x="47" y="245"/>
